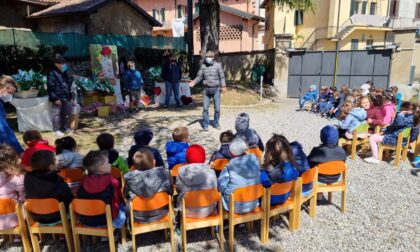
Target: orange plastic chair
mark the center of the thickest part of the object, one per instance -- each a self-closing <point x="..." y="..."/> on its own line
<point x="257" y="152"/>
<point x="246" y="194"/>
<point x="89" y="207"/>
<point x="72" y="175"/>
<point x="309" y="176"/>
<point x="174" y="174"/>
<point x="9" y="206"/>
<point x="332" y="168"/>
<point x="219" y="164"/>
<point x="157" y="201"/>
<point x="42" y="207"/>
<point x="290" y="205"/>
<point x="118" y="174"/>
<point x="202" y="198"/>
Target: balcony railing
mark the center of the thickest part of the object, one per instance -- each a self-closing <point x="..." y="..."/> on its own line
<point x="403" y="23"/>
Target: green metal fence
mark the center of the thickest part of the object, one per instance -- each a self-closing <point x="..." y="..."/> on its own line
<point x="78" y="45"/>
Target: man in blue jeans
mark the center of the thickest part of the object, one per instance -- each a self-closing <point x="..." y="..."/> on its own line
<point x="213" y="77"/>
<point x="172" y="74"/>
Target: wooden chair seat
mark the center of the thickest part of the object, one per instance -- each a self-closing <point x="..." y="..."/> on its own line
<point x="213" y="216"/>
<point x="356" y="141"/>
<point x="284" y="206"/>
<point x="158" y="222"/>
<point x="400" y="150"/>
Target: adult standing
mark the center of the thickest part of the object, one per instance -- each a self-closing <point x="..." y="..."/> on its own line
<point x="213" y="77"/>
<point x="172" y="74"/>
<point x="7" y="136"/>
<point x="59" y="92"/>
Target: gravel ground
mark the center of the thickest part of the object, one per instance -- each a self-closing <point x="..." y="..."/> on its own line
<point x="382" y="202"/>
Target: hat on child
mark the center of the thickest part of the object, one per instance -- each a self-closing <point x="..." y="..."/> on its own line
<point x="143" y="136"/>
<point x="238" y="147"/>
<point x="195" y="154"/>
<point x="312" y="87"/>
<point x="329" y="135"/>
<point x="242" y="122"/>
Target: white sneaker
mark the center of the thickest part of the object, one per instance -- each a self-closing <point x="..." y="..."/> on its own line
<point x="371" y="160"/>
<point x="59" y="133"/>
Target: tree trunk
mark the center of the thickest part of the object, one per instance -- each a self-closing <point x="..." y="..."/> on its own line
<point x="209" y="26"/>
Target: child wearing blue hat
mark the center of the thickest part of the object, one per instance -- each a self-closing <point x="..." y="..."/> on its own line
<point x="310" y="96"/>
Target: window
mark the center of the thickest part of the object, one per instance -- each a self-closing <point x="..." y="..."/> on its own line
<point x="417" y="16"/>
<point x="267" y="22"/>
<point x="356" y="7"/>
<point x="369" y="43"/>
<point x="154" y="13"/>
<point x="179" y="11"/>
<point x="162" y="15"/>
<point x="197" y="7"/>
<point x="298" y="17"/>
<point x="395" y="4"/>
<point x="354" y="44"/>
<point x="364" y="7"/>
<point x="372" y="9"/>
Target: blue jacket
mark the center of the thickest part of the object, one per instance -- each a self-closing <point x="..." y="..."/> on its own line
<point x="352" y="120"/>
<point x="280" y="173"/>
<point x="331" y="98"/>
<point x="239" y="172"/>
<point x="400" y="122"/>
<point x="175" y="152"/>
<point x="252" y="138"/>
<point x="58" y="85"/>
<point x="171" y="73"/>
<point x="310" y="95"/>
<point x="414" y="133"/>
<point x="323" y="96"/>
<point x="222" y="153"/>
<point x="7" y="136"/>
<point x="301" y="164"/>
<point x="133" y="80"/>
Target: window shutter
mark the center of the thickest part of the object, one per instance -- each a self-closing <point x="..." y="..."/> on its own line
<point x="179" y="11"/>
<point x="154" y="13"/>
<point x="417" y="16"/>
<point x="298" y="17"/>
<point x="162" y="14"/>
<point x="364" y="7"/>
<point x="197" y="7"/>
<point x="351" y="8"/>
<point x="372" y="10"/>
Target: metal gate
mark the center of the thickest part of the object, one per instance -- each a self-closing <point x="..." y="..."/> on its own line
<point x="354" y="69"/>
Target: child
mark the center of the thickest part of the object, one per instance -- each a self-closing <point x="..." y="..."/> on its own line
<point x="309" y="96"/>
<point x="175" y="150"/>
<point x="67" y="156"/>
<point x="226" y="138"/>
<point x="133" y="83"/>
<point x="34" y="141"/>
<point x="105" y="142"/>
<point x="11" y="183"/>
<point x="99" y="184"/>
<point x="326" y="152"/>
<point x="388" y="109"/>
<point x="278" y="166"/>
<point x="196" y="175"/>
<point x="326" y="105"/>
<point x="42" y="182"/>
<point x="344" y="92"/>
<point x="334" y="103"/>
<point x="301" y="164"/>
<point x="374" y="116"/>
<point x="323" y="97"/>
<point x="241" y="171"/>
<point x="145" y="181"/>
<point x="243" y="131"/>
<point x="398" y="96"/>
<point x="142" y="139"/>
<point x="403" y="119"/>
<point x="354" y="118"/>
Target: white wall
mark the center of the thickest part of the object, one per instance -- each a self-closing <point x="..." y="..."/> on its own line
<point x="407" y="8"/>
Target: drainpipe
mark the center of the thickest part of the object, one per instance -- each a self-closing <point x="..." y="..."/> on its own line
<point x="337" y="45"/>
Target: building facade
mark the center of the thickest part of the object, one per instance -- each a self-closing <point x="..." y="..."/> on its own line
<point x="341" y="24"/>
<point x="241" y="25"/>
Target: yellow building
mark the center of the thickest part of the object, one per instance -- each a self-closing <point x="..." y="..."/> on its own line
<point x="348" y="24"/>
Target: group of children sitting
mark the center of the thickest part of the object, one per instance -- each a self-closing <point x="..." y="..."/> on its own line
<point x="370" y="105"/>
<point x="37" y="176"/>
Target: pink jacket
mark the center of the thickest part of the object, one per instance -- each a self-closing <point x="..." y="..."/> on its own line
<point x="388" y="111"/>
<point x="12" y="188"/>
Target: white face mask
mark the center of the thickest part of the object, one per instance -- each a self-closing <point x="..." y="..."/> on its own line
<point x="6" y="97"/>
<point x="209" y="60"/>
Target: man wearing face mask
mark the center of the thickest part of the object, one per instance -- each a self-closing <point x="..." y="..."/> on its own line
<point x="213" y="77"/>
<point x="172" y="74"/>
<point x="7" y="136"/>
<point x="59" y="92"/>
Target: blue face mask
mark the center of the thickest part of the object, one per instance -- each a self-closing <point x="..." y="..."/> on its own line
<point x="64" y="68"/>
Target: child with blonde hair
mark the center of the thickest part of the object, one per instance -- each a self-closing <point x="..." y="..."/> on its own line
<point x="176" y="149"/>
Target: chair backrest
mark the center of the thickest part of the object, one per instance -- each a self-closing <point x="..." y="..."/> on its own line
<point x="115" y="173"/>
<point x="7" y="206"/>
<point x="308" y="176"/>
<point x="248" y="193"/>
<point x="332" y="168"/>
<point x="88" y="207"/>
<point x="42" y="206"/>
<point x="256" y="151"/>
<point x="157" y="201"/>
<point x="281" y="188"/>
<point x="71" y="175"/>
<point x="175" y="169"/>
<point x="362" y="128"/>
<point x="219" y="164"/>
<point x="406" y="132"/>
<point x="201" y="198"/>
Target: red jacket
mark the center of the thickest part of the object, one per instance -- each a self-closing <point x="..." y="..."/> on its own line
<point x="95" y="186"/>
<point x="376" y="115"/>
<point x="35" y="146"/>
